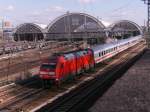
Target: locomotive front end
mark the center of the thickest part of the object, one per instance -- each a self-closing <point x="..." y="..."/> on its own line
<point x="48" y="71"/>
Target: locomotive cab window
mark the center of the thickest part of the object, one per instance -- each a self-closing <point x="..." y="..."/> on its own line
<point x="48" y="66"/>
<point x="85" y="52"/>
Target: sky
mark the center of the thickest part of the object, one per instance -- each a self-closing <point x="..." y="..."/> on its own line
<point x="45" y="11"/>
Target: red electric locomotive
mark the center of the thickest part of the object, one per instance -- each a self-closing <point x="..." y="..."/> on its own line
<point x="66" y="65"/>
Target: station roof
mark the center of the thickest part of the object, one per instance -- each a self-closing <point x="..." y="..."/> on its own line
<point x="29" y="28"/>
<point x="75" y="22"/>
<point x="125" y="25"/>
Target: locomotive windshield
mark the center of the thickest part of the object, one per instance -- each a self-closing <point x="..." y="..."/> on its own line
<point x="48" y="66"/>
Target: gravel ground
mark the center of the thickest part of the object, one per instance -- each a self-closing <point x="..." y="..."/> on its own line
<point x="130" y="93"/>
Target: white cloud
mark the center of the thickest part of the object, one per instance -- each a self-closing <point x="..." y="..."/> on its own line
<point x="10" y="8"/>
<point x="36" y="13"/>
<point x="47" y="11"/>
<point x="55" y="9"/>
<point x="125" y="15"/>
<point x="45" y="15"/>
<point x="86" y="1"/>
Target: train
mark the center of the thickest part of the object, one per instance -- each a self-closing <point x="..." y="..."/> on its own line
<point x="64" y="66"/>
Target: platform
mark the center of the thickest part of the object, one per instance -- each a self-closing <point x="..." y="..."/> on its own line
<point x="130" y="93"/>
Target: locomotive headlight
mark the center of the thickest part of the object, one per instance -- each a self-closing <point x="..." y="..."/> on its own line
<point x="51" y="73"/>
<point x="43" y="73"/>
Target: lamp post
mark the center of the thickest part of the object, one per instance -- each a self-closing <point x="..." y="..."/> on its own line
<point x="69" y="26"/>
<point x="147" y="36"/>
<point x="147" y="2"/>
<point x="2" y="27"/>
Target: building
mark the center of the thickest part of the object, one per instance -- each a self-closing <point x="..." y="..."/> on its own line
<point x="6" y="30"/>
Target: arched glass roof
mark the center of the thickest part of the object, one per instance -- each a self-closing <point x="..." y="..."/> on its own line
<point x="28" y="28"/>
<point x="28" y="31"/>
<point x="125" y="25"/>
<point x="124" y="29"/>
<point x="75" y="22"/>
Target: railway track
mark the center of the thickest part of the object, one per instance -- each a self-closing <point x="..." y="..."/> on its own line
<point x="14" y="93"/>
<point x="78" y="99"/>
<point x="22" y="100"/>
<point x="27" y="62"/>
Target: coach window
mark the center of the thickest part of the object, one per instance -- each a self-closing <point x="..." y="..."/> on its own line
<point x="108" y="51"/>
<point x="100" y="54"/>
<point x="111" y="50"/>
<point x="96" y="55"/>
